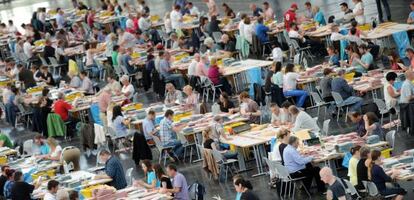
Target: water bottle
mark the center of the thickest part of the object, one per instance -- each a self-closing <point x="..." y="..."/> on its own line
<point x="215" y="109"/>
<point x="374" y="23"/>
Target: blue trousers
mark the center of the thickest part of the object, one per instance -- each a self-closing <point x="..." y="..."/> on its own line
<point x="300" y="95"/>
<point x="177" y="147"/>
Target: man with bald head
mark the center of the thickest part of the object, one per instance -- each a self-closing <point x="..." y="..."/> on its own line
<point x="407" y="88"/>
<point x="336" y="190"/>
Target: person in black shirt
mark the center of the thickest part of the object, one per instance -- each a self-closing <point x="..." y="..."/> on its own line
<point x="213" y="25"/>
<point x="336" y="190"/>
<point x="165" y="181"/>
<point x="283" y="135"/>
<point x="244" y="187"/>
<point x="211" y="144"/>
<point x="225" y="103"/>
<point x="228" y="12"/>
<point x="22" y="190"/>
<point x="3" y="178"/>
<point x="357" y="118"/>
<point x="45" y="76"/>
<point x="26" y="76"/>
<point x="48" y="51"/>
<point x="256" y="11"/>
<point x="362" y="167"/>
<point x="226" y="44"/>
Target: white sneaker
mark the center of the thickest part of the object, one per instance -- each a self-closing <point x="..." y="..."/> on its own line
<point x="94" y="152"/>
<point x="88" y="152"/>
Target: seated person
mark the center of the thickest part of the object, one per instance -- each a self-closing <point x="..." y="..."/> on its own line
<point x="382" y="180"/>
<point x="289" y="86"/>
<point x="172" y="96"/>
<point x="120" y="124"/>
<point x="55" y="152"/>
<point x="276" y="115"/>
<point x="357" y="118"/>
<point x="373" y="126"/>
<point x="319" y="17"/>
<point x="300" y="166"/>
<point x="225" y="103"/>
<point x="168" y="134"/>
<point x="87" y="85"/>
<point x="248" y="108"/>
<point x="226" y="44"/>
<point x="303" y="120"/>
<point x="5" y="141"/>
<point x="340" y="85"/>
<point x="283" y="136"/>
<point x="113" y="170"/>
<point x="168" y="72"/>
<point x="367" y="60"/>
<point x="209" y="143"/>
<point x="40" y="145"/>
<point x="127" y="62"/>
<point x="215" y="75"/>
<point x="333" y="56"/>
<point x="192" y="98"/>
<point x="185" y="45"/>
<point x="148" y="125"/>
<point x="127" y="89"/>
<point x="150" y="180"/>
<point x="316" y="47"/>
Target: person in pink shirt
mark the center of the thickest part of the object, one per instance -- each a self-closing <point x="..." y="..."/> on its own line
<point x="215" y="75"/>
<point x="192" y="98"/>
<point x="91" y="18"/>
<point x="268" y="11"/>
<point x="202" y="66"/>
<point x="104" y="99"/>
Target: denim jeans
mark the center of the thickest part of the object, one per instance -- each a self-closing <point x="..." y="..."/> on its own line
<point x="355" y="101"/>
<point x="300" y="95"/>
<point x="177" y="78"/>
<point x="177" y="147"/>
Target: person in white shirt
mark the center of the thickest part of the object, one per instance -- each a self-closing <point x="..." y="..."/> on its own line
<point x="303" y="120"/>
<point x="167" y="23"/>
<point x="359" y="12"/>
<point x="289" y="85"/>
<point x="86" y="85"/>
<point x="144" y="22"/>
<point x="192" y="68"/>
<point x="277" y="54"/>
<point x="176" y="18"/>
<point x="126" y="39"/>
<point x="27" y="48"/>
<point x="335" y="35"/>
<point x="247" y="29"/>
<point x="62" y="194"/>
<point x="268" y="11"/>
<point x="127" y="88"/>
<point x="12" y="28"/>
<point x="212" y="7"/>
<point x="192" y="9"/>
<point x="52" y="188"/>
<point x="129" y="24"/>
<point x="60" y="19"/>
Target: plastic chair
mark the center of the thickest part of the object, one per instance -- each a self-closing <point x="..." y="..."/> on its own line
<point x="325" y="127"/>
<point x="373" y="191"/>
<point x="382" y="107"/>
<point x="351" y="189"/>
<point x="208" y="86"/>
<point x="23" y="114"/>
<point x="55" y="64"/>
<point x="44" y="62"/>
<point x="319" y="102"/>
<point x="284" y="176"/>
<point x="162" y="149"/>
<point x="223" y="163"/>
<point x="186" y="145"/>
<point x="217" y="36"/>
<point x="272" y="167"/>
<point x="340" y="104"/>
<point x="390" y="138"/>
<point x="128" y="176"/>
<point x="28" y="147"/>
<point x="125" y="70"/>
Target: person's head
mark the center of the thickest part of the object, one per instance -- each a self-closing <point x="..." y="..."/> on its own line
<point x="151" y="114"/>
<point x="355" y="117"/>
<point x="177" y="8"/>
<point x="83" y="74"/>
<point x="283" y="134"/>
<point x="371" y="117"/>
<point x="327" y="71"/>
<point x="224" y="97"/>
<point x="209" y="42"/>
<point x="241" y="185"/>
<point x="294" y="26"/>
<point x="334" y="28"/>
<point x="169" y="87"/>
<point x="159" y="171"/>
<point x="38" y="139"/>
<point x="278" y="67"/>
<point x="412" y="5"/>
<point x="353" y="31"/>
<point x="364" y="152"/>
<point x="285" y="106"/>
<point x="43" y="69"/>
<point x="51" y="142"/>
<point x="391" y="77"/>
<point x="244" y="96"/>
<point x="18" y="176"/>
<point x="344" y="6"/>
<point x="327" y="175"/>
<point x="308" y="5"/>
<point x="188" y="90"/>
<point x="409" y="52"/>
<point x="375" y="155"/>
<point x="62" y="194"/>
<point x="10" y="173"/>
<point x="293" y="110"/>
<point x="225" y="38"/>
<point x="4" y="168"/>
<point x="189" y="5"/>
<point x="124" y="80"/>
<point x="171" y="170"/>
<point x="116" y="111"/>
<point x="206" y="134"/>
<point x="290" y="68"/>
<point x="10" y="22"/>
<point x="111" y="78"/>
<point x="363" y="48"/>
<point x="293" y="141"/>
<point x="169" y="114"/>
<point x="104" y="156"/>
<point x="294" y="7"/>
<point x="197" y="57"/>
<point x="341" y="72"/>
<point x="226" y="7"/>
<point x="146" y="166"/>
<point x="315" y="9"/>
<point x="260" y="20"/>
<point x="253" y="7"/>
<point x="218" y="119"/>
<point x="409" y="75"/>
<point x="331" y="50"/>
<point x="61" y="96"/>
<point x="266" y="5"/>
<point x="356" y="1"/>
<point x="53" y="186"/>
<point x="274" y="108"/>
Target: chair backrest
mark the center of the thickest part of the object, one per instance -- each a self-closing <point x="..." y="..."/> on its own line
<point x="43" y="60"/>
<point x="337" y="98"/>
<point x="128" y="176"/>
<point x="382" y="107"/>
<point x="217" y="36"/>
<point x="325" y="127"/>
<point x="124" y="69"/>
<point x="201" y="150"/>
<point x="118" y="70"/>
<point x="350" y="188"/>
<point x="28" y="147"/>
<point x="64" y="151"/>
<point x="271" y="165"/>
<point x="390" y="138"/>
<point x="371" y="188"/>
<point x="316" y="98"/>
<point x="282" y="172"/>
<point x="53" y="61"/>
<point x="182" y="138"/>
<point x="218" y="157"/>
<point x="158" y="143"/>
<point x="21" y="108"/>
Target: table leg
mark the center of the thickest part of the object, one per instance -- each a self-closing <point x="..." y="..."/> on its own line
<point x="332" y="165"/>
<point x="257" y="155"/>
<point x="197" y="141"/>
<point x="240" y="158"/>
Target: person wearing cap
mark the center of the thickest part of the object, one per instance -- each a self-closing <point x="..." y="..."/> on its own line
<point x="257" y="12"/>
<point x="290" y="16"/>
<point x="341" y="86"/>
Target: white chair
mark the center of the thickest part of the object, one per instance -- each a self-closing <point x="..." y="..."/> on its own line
<point x="382" y="107"/>
<point x="319" y="102"/>
<point x="217" y="36"/>
<point x="224" y="164"/>
<point x="390" y="138"/>
<point x="128" y="176"/>
<point x="186" y="144"/>
<point x="55" y="64"/>
<point x="23" y="114"/>
<point x="284" y="176"/>
<point x="162" y="150"/>
<point x="272" y="167"/>
<point x="325" y="127"/>
<point x="125" y="71"/>
<point x="373" y="191"/>
<point x="44" y="62"/>
<point x="208" y="86"/>
<point x="340" y="104"/>
<point x="28" y="148"/>
<point x="351" y="190"/>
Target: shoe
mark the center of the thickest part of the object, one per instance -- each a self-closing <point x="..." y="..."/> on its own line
<point x="94" y="152"/>
<point x="88" y="152"/>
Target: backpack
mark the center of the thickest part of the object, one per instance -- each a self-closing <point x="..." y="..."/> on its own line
<point x="196" y="191"/>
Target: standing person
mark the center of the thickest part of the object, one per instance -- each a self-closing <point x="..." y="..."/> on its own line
<point x="386" y="7"/>
<point x="407" y="88"/>
<point x="257" y="12"/>
<point x="290" y="16"/>
<point x="359" y="11"/>
<point x="113" y="170"/>
<point x="261" y="31"/>
<point x="336" y="189"/>
<point x="179" y="183"/>
<point x="268" y="11"/>
<point x="309" y="15"/>
<point x="104" y="99"/>
<point x="410" y="19"/>
<point x="22" y="190"/>
<point x="176" y="18"/>
<point x="52" y="189"/>
<point x="212" y="7"/>
<point x="3" y="178"/>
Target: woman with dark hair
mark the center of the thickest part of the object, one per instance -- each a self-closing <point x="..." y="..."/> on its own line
<point x="377" y="175"/>
<point x="9" y="183"/>
<point x="353" y="54"/>
<point x="213" y="25"/>
<point x="362" y="167"/>
<point x="390" y="92"/>
<point x="228" y="12"/>
<point x="163" y="180"/>
<point x="289" y="86"/>
<point x="119" y="122"/>
<point x="244" y="187"/>
<point x="150" y="180"/>
<point x="372" y="125"/>
<point x="353" y="163"/>
<point x="225" y="103"/>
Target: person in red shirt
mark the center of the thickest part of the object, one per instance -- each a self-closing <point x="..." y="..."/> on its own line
<point x="91" y="18"/>
<point x="290" y="16"/>
<point x="61" y="107"/>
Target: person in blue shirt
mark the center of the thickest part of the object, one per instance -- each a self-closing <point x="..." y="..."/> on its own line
<point x="41" y="146"/>
<point x="150" y="181"/>
<point x="301" y="166"/>
<point x="113" y="170"/>
<point x="333" y="56"/>
<point x="367" y="60"/>
<point x="341" y="86"/>
<point x="257" y="12"/>
<point x="410" y="19"/>
<point x="261" y="31"/>
<point x="126" y="61"/>
<point x="319" y="17"/>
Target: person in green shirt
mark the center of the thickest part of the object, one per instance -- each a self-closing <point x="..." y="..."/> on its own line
<point x="5" y="141"/>
<point x="115" y="56"/>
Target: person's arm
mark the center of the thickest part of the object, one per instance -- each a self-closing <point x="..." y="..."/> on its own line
<point x="410" y="20"/>
<point x="56" y="158"/>
<point x="347" y="88"/>
<point x="391" y="92"/>
<point x="214" y="147"/>
<point x="383" y="175"/>
<point x="146" y="185"/>
<point x="1" y="143"/>
<point x="299" y="159"/>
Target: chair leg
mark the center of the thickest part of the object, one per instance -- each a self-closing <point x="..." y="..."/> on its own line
<point x="346" y="114"/>
<point x="319" y="107"/>
<point x="294" y="190"/>
<point x="191" y="154"/>
<point x="339" y="112"/>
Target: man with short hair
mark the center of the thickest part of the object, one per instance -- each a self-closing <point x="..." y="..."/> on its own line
<point x="26" y="76"/>
<point x="226" y="44"/>
<point x="348" y="14"/>
<point x="113" y="170"/>
<point x="336" y="189"/>
<point x="268" y="11"/>
<point x="167" y="71"/>
<point x="308" y="11"/>
<point x="104" y="99"/>
<point x="176" y="18"/>
<point x="409" y="52"/>
<point x="113" y="84"/>
<point x="300" y="166"/>
<point x="192" y="9"/>
<point x="407" y="88"/>
<point x="303" y="120"/>
<point x="173" y="95"/>
<point x="148" y="125"/>
<point x="257" y="12"/>
<point x="341" y="86"/>
<point x="86" y="85"/>
<point x="168" y="134"/>
<point x="144" y="22"/>
<point x="3" y="178"/>
<point x="179" y="184"/>
<point x="410" y="19"/>
<point x="52" y="188"/>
